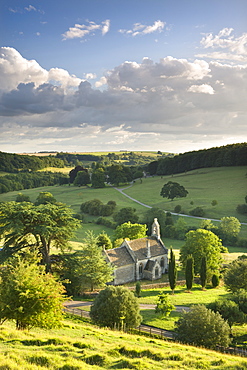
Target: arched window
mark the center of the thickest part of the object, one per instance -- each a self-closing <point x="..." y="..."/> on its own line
<point x="156" y="271"/>
<point x="140" y="269"/>
<point x="162" y="262"/>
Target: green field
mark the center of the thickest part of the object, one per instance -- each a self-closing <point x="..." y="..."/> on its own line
<point x="227" y="185"/>
<point x="81" y="346"/>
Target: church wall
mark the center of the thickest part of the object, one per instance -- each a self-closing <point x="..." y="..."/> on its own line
<point x="124" y="274"/>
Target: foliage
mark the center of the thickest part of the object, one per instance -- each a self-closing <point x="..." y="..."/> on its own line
<point x="198" y="212"/>
<point x="203" y="272"/>
<point x="229" y="228"/>
<point x="74" y="172"/>
<point x="178" y="208"/>
<point x="98" y="178"/>
<point x="172" y="271"/>
<point x="106" y="222"/>
<point x="116" y="306"/>
<point x="164" y="306"/>
<point x="215" y="280"/>
<point x="138" y="289"/>
<point x="29" y="296"/>
<point x="103" y="241"/>
<point x="181" y="228"/>
<point x="173" y="190"/>
<point x="29" y="180"/>
<point x="130" y="231"/>
<point x="93" y="269"/>
<point x="82" y="178"/>
<point x="118" y="174"/>
<point x="242" y="208"/>
<point x="240" y="297"/>
<point x="45" y="197"/>
<point x="24" y="225"/>
<point x="203" y="327"/>
<point x="189" y="272"/>
<point x="229" y="155"/>
<point x="235" y="276"/>
<point x="201" y="243"/>
<point x="214" y="202"/>
<point x="229" y="310"/>
<point x="126" y="214"/>
<point x="22" y="198"/>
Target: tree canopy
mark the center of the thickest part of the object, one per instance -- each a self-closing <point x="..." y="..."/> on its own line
<point x="235" y="276"/>
<point x="29" y="296"/>
<point x="130" y="231"/>
<point x="203" y="327"/>
<point x="116" y="306"/>
<point x="24" y="225"/>
<point x="173" y="190"/>
<point x="200" y="243"/>
<point x="126" y="214"/>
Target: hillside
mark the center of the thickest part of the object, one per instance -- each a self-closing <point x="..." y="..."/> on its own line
<point x="78" y="346"/>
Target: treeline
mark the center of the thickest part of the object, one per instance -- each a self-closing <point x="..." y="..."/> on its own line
<point x="30" y="180"/>
<point x="18" y="163"/>
<point x="229" y="155"/>
<point x="73" y="159"/>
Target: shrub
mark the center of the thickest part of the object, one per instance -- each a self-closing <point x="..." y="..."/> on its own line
<point x="235" y="277"/>
<point x="177" y="208"/>
<point x="215" y="280"/>
<point x="198" y="212"/>
<point x="214" y="202"/>
<point x="242" y="209"/>
<point x="203" y="327"/>
<point x="116" y="306"/>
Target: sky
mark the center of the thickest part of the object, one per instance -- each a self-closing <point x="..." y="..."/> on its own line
<point x="110" y="75"/>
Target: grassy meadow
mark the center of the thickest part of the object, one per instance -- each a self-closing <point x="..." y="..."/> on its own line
<point x="81" y="346"/>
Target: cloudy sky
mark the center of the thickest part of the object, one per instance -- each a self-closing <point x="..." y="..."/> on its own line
<point x="93" y="75"/>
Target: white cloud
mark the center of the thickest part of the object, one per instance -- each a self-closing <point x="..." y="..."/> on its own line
<point x="82" y="30"/>
<point x="235" y="47"/>
<point x="142" y="104"/>
<point x="141" y="29"/>
<point x="30" y="8"/>
<point x="90" y="76"/>
<point x="205" y="89"/>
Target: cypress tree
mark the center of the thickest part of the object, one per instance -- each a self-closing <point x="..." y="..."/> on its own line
<point x="203" y="272"/>
<point x="189" y="272"/>
<point x="172" y="271"/>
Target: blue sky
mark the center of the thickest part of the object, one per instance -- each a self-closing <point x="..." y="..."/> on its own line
<point x="92" y="75"/>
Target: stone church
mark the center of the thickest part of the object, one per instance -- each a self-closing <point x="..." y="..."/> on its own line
<point x="145" y="258"/>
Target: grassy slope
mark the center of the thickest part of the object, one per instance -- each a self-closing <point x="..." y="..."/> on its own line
<point x="78" y="346"/>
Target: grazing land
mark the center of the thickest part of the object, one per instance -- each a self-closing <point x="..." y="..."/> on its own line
<point x="79" y="345"/>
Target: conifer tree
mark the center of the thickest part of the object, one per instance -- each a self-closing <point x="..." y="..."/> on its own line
<point x="203" y="272"/>
<point x="189" y="272"/>
<point x="172" y="271"/>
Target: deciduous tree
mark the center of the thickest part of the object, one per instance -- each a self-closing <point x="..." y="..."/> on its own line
<point x="201" y="243"/>
<point x="24" y="225"/>
<point x="164" y="306"/>
<point x="235" y="276"/>
<point x="173" y="190"/>
<point x="116" y="306"/>
<point x="130" y="231"/>
<point x="29" y="296"/>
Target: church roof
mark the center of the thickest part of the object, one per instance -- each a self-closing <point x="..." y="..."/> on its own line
<point x="139" y="247"/>
<point x="119" y="256"/>
<point x="150" y="265"/>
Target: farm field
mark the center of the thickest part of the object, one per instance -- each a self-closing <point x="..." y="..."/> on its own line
<point x="79" y="345"/>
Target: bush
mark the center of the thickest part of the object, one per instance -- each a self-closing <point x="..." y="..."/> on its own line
<point x="177" y="208"/>
<point x="203" y="327"/>
<point x="108" y="223"/>
<point x="242" y="209"/>
<point x="198" y="212"/>
<point x="235" y="277"/>
<point x="116" y="306"/>
<point x="215" y="280"/>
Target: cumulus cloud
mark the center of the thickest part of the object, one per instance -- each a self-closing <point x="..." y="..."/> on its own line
<point x="235" y="48"/>
<point x="172" y="99"/>
<point x="14" y="69"/>
<point x="82" y="30"/>
<point x="141" y="29"/>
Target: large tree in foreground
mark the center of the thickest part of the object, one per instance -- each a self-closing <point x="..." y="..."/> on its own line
<point x="173" y="190"/>
<point x="116" y="306"/>
<point x="24" y="225"/>
<point x="29" y="296"/>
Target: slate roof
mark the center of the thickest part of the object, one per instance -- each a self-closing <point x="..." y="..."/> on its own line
<point x="150" y="265"/>
<point x="139" y="246"/>
<point x="119" y="256"/>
